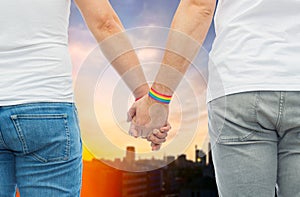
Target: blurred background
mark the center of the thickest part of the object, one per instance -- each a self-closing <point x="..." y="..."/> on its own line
<point x="189" y="173"/>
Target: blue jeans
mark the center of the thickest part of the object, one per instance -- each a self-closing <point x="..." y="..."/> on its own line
<point x="40" y="150"/>
<point x="255" y="139"/>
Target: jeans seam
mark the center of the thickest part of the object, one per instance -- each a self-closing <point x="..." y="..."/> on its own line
<point x="68" y="145"/>
<point x="280" y="110"/>
<point x="215" y="122"/>
<point x="20" y="135"/>
<point x="2" y="142"/>
<point x="41" y="159"/>
<point x="237" y="139"/>
<point x="39" y="116"/>
<point x="49" y="104"/>
<point x="257" y="100"/>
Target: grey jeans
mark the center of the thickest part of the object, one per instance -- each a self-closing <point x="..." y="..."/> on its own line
<point x="255" y="138"/>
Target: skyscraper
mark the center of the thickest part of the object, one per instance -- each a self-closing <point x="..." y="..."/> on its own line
<point x="130" y="155"/>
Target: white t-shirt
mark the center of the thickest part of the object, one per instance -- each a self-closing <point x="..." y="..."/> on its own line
<point x="35" y="64"/>
<point x="257" y="47"/>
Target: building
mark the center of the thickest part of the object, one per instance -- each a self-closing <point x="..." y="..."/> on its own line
<point x="200" y="157"/>
<point x="134" y="184"/>
<point x="180" y="178"/>
<point x="130" y="155"/>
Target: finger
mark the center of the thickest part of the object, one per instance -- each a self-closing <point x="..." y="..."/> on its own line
<point x="133" y="131"/>
<point x="161" y="135"/>
<point x="155" y="147"/>
<point x="131" y="113"/>
<point x="166" y="128"/>
<point x="144" y="132"/>
<point x="156" y="140"/>
<point x="151" y="135"/>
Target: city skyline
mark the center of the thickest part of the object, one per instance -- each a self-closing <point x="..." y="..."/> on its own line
<point x="178" y="177"/>
<point x="129" y="159"/>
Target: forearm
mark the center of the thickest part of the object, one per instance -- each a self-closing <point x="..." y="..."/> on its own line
<point x="118" y="50"/>
<point x="114" y="43"/>
<point x="188" y="31"/>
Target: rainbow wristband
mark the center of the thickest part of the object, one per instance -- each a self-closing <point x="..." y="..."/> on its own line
<point x="166" y="99"/>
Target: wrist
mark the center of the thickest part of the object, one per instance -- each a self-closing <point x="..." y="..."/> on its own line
<point x="162" y="89"/>
<point x="141" y="91"/>
<point x="159" y="97"/>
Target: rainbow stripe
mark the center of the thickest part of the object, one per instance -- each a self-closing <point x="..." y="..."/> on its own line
<point x="166" y="99"/>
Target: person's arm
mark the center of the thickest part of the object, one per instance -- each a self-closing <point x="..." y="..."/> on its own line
<point x="108" y="30"/>
<point x="188" y="31"/>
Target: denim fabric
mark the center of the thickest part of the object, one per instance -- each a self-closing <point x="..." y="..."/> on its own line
<point x="40" y="150"/>
<point x="255" y="139"/>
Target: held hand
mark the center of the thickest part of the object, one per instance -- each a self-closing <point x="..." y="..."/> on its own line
<point x="146" y="115"/>
<point x="157" y="137"/>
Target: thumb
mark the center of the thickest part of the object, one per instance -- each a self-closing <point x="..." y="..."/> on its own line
<point x="133" y="131"/>
<point x="131" y="113"/>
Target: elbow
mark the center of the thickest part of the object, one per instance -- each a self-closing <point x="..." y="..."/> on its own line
<point x="104" y="26"/>
<point x="208" y="12"/>
<point x="105" y="23"/>
<point x="206" y="8"/>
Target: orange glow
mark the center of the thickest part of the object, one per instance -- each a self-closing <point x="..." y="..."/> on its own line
<point x="86" y="154"/>
<point x="100" y="180"/>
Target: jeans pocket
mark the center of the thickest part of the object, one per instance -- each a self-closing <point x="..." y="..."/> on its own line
<point x="233" y="121"/>
<point x="46" y="137"/>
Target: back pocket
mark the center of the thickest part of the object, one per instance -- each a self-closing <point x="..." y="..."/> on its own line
<point x="44" y="136"/>
<point x="233" y="121"/>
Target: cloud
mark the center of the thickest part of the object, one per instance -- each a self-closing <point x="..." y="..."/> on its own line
<point x="135" y="13"/>
<point x="79" y="52"/>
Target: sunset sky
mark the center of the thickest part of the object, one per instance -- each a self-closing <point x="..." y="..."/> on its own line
<point x="103" y="114"/>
